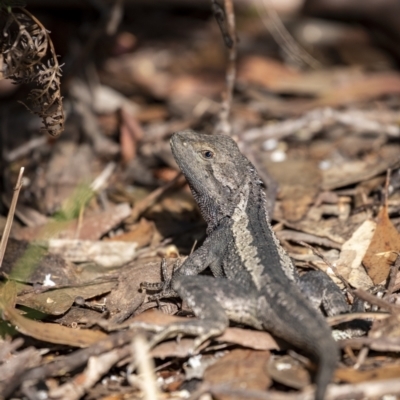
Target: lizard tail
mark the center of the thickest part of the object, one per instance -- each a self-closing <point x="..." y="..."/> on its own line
<point x="326" y="366"/>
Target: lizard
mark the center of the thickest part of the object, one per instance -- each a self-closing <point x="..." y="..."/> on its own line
<point x="255" y="282"/>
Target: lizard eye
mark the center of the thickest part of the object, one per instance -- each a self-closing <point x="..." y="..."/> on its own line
<point x="207" y="154"/>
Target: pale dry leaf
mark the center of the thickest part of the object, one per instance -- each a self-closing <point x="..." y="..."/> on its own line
<point x="104" y="253"/>
<point x="353" y="251"/>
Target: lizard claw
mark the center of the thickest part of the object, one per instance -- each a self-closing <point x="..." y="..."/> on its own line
<point x="164" y="288"/>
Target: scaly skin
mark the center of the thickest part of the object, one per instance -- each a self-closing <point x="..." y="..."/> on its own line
<point x="255" y="281"/>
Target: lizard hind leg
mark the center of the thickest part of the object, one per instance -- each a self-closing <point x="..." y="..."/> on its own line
<point x="214" y="302"/>
<point x="211" y="318"/>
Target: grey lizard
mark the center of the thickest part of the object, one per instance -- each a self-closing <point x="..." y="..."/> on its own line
<point x="255" y="282"/>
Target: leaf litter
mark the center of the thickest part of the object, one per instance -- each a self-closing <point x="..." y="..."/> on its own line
<point x="103" y="205"/>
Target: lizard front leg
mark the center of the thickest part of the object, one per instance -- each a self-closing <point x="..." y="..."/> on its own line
<point x="210" y="254"/>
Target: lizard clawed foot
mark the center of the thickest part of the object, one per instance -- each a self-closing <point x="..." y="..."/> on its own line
<point x="163" y="287"/>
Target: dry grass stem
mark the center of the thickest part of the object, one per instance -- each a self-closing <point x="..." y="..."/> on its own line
<point x="10" y="216"/>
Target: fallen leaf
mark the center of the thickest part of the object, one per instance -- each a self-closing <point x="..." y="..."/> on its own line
<point x="265" y="71"/>
<point x="381" y="253"/>
<point x="127" y="296"/>
<point x="240" y="369"/>
<point x="372" y="86"/>
<point x="130" y="134"/>
<point x="140" y="234"/>
<point x="288" y="371"/>
<point x="59" y="301"/>
<point x="52" y="333"/>
<point x="353" y="251"/>
<point x="104" y="253"/>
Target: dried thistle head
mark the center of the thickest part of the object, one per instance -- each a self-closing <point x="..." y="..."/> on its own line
<point x="28" y="56"/>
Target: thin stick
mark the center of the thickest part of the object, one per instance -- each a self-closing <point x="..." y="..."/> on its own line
<point x="281" y="35"/>
<point x="341" y="318"/>
<point x="229" y="36"/>
<point x="370" y="298"/>
<point x="144" y="364"/>
<point x="10" y="216"/>
<point x="330" y="265"/>
<point x="387" y="183"/>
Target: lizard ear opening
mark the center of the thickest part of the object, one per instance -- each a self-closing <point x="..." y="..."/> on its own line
<point x="207" y="154"/>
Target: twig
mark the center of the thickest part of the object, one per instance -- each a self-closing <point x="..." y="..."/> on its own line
<point x="104" y="176"/>
<point x="322" y="118"/>
<point x="116" y="14"/>
<point x="25" y="149"/>
<point x="70" y="362"/>
<point x="386" y="190"/>
<point x="143" y="362"/>
<point x="342" y="318"/>
<point x="10" y="216"/>
<point x="278" y="31"/>
<point x="75" y="388"/>
<point x="370" y="298"/>
<point x="308" y="238"/>
<point x="378" y="344"/>
<point x="330" y="265"/>
<point x="229" y="36"/>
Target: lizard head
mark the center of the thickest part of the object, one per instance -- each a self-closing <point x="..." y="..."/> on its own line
<point x="215" y="169"/>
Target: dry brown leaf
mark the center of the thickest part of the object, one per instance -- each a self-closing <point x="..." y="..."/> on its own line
<point x="381" y="251"/>
<point x="52" y="333"/>
<point x="257" y="340"/>
<point x="130" y="134"/>
<point x="173" y="348"/>
<point x="299" y="182"/>
<point x="372" y="86"/>
<point x="265" y="71"/>
<point x="59" y="301"/>
<point x="141" y="233"/>
<point x="241" y="369"/>
<point x="127" y="296"/>
<point x="352" y="375"/>
<point x="288" y="371"/>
